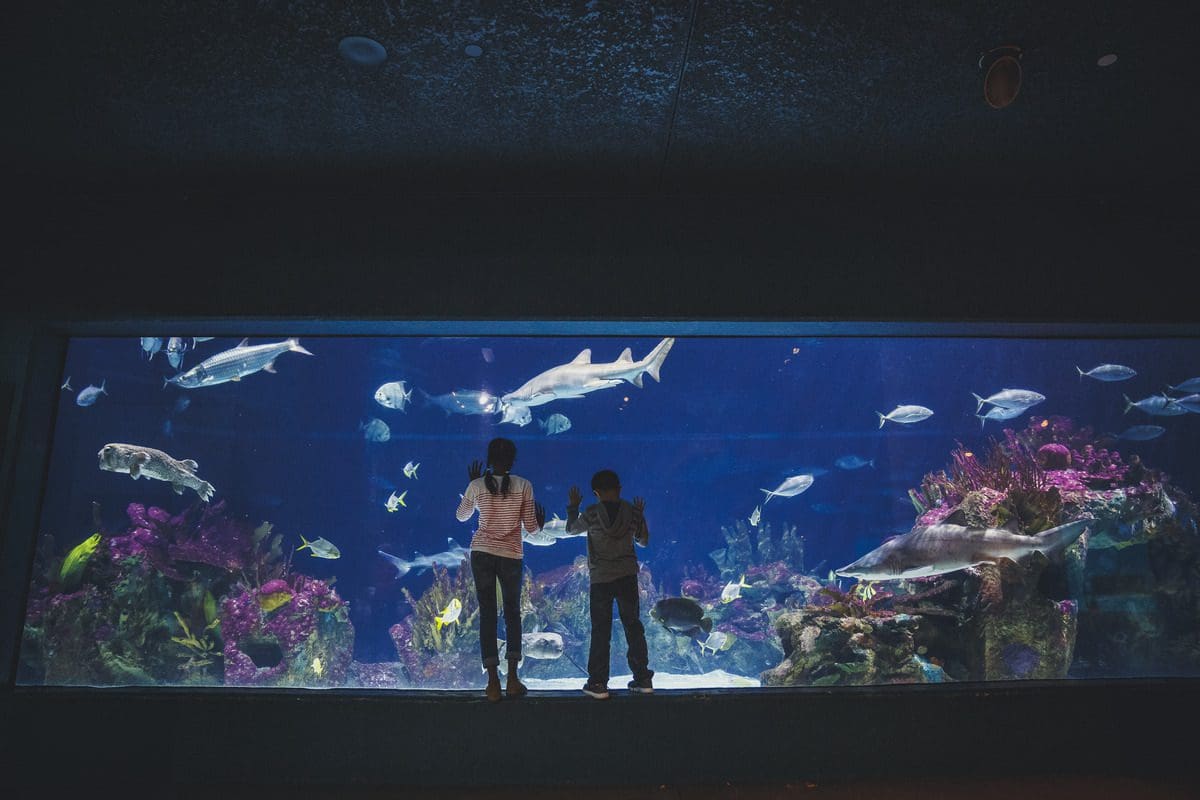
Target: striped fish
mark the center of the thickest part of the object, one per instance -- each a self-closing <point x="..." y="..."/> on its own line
<point x="235" y="364"/>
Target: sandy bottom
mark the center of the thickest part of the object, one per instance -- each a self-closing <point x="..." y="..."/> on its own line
<point x="717" y="679"/>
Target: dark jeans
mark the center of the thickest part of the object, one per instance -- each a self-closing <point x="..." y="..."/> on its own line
<point x="486" y="568"/>
<point x="625" y="592"/>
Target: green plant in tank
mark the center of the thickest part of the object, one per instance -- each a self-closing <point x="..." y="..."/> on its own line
<point x="201" y="652"/>
<point x="427" y="634"/>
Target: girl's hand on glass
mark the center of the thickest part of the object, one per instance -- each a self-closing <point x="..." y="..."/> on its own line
<point x="475" y="470"/>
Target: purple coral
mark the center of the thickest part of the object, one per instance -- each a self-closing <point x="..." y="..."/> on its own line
<point x="244" y="624"/>
<point x="208" y="536"/>
<point x="1054" y="456"/>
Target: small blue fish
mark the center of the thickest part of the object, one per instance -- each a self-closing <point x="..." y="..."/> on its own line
<point x="1191" y="403"/>
<point x="176" y="347"/>
<point x="150" y="346"/>
<point x="375" y="430"/>
<point x="1108" y="373"/>
<point x="88" y="396"/>
<point x="1189" y="386"/>
<point x="1158" y="405"/>
<point x="555" y="423"/>
<point x="67" y="384"/>
<point x="853" y="462"/>
<point x="1142" y="433"/>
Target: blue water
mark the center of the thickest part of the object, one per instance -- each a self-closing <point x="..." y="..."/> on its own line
<point x="731" y="416"/>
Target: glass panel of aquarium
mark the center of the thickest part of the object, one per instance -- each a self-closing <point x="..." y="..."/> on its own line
<point x="821" y="511"/>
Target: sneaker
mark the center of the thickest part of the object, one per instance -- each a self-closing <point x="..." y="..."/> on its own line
<point x="596" y="690"/>
<point x="641" y="686"/>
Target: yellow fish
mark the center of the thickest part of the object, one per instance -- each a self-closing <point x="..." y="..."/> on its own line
<point x="76" y="560"/>
<point x="394" y="501"/>
<point x="733" y="591"/>
<point x="320" y="548"/>
<point x="449" y="613"/>
<point x="270" y="602"/>
<point x="317" y="666"/>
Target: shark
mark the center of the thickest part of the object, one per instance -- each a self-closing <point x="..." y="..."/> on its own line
<point x="451" y="558"/>
<point x="938" y="549"/>
<point x="581" y="376"/>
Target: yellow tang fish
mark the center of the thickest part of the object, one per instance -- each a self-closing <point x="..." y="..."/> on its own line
<point x="270" y="602"/>
<point x="449" y="613"/>
<point x="320" y="548"/>
<point x="76" y="560"/>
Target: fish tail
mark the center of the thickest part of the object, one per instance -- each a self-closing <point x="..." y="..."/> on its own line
<point x="1128" y="403"/>
<point x="206" y="491"/>
<point x="883" y="418"/>
<point x="770" y="494"/>
<point x="1051" y="542"/>
<point x="1080" y="371"/>
<point x="294" y="346"/>
<point x="982" y="421"/>
<point x="307" y="543"/>
<point x="657" y="356"/>
<point x="102" y="383"/>
<point x="979" y="402"/>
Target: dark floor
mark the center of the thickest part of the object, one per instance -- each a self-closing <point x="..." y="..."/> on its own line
<point x="1055" y="788"/>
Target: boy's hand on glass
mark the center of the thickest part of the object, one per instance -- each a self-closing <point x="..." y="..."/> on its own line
<point x="639" y="504"/>
<point x="540" y="513"/>
<point x="475" y="470"/>
<point x="573" y="497"/>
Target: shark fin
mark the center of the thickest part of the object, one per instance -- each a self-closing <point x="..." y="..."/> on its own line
<point x="244" y="342"/>
<point x="626" y="356"/>
<point x="270" y="367"/>
<point x="636" y="380"/>
<point x="584" y="357"/>
<point x="192" y="465"/>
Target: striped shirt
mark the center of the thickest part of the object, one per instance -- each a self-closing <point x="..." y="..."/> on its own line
<point x="501" y="516"/>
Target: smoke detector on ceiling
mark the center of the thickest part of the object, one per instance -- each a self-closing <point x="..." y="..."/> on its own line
<point x="1002" y="76"/>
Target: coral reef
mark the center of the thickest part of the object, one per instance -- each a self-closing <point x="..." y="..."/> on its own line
<point x="152" y="604"/>
<point x="292" y="631"/>
<point x="823" y="649"/>
<point x="743" y="550"/>
<point x="445" y="656"/>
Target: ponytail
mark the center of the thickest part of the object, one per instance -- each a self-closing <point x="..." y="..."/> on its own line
<point x="489" y="480"/>
<point x="501" y="453"/>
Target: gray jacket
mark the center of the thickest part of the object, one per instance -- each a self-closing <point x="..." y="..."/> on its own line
<point x="610" y="541"/>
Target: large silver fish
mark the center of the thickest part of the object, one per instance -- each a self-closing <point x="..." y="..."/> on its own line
<point x="938" y="549"/>
<point x="236" y="363"/>
<point x="139" y="461"/>
<point x="580" y="376"/>
<point x="449" y="558"/>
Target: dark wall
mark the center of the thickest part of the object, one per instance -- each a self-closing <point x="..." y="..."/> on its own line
<point x="84" y="253"/>
<point x="869" y="254"/>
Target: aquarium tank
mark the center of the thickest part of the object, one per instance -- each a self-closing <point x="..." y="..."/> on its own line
<point x="277" y="510"/>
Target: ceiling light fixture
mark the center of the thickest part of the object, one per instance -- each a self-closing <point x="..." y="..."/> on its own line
<point x="1107" y="60"/>
<point x="1002" y="81"/>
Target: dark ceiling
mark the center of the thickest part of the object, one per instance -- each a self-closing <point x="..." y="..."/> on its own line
<point x="809" y="159"/>
<point x="598" y="97"/>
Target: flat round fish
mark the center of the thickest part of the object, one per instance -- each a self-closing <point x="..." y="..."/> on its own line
<point x="681" y="614"/>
